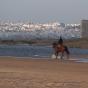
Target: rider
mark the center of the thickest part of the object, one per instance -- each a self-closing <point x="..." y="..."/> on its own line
<point x="60" y="42"/>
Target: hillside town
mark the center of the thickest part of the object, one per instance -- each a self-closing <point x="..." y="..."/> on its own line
<point x="29" y="30"/>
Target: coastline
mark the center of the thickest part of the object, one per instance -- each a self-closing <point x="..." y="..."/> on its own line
<point x="71" y="43"/>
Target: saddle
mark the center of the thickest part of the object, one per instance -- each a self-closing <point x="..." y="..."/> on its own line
<point x="60" y="47"/>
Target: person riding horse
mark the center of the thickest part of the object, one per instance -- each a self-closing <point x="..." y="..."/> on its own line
<point x="60" y="47"/>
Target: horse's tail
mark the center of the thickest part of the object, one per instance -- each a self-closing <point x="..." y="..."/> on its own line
<point x="66" y="49"/>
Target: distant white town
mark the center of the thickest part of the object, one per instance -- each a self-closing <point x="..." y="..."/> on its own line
<point x="28" y="31"/>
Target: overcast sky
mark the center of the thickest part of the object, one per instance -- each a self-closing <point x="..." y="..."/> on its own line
<point x="42" y="11"/>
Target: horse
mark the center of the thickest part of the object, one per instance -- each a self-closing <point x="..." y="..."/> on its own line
<point x="60" y="49"/>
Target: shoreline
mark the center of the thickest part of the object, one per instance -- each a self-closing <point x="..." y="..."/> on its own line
<point x="72" y="43"/>
<point x="72" y="58"/>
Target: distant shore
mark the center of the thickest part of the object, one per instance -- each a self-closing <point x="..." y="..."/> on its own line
<point x="72" y="43"/>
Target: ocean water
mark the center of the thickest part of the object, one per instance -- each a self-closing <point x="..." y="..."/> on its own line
<point x="25" y="50"/>
<point x="39" y="51"/>
<point x="34" y="51"/>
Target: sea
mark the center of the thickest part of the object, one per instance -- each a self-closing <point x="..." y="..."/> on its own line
<point x="25" y="50"/>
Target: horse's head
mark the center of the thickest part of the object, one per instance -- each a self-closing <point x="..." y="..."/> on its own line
<point x="54" y="44"/>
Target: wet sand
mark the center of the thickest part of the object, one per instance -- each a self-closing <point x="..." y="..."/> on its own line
<point x="42" y="73"/>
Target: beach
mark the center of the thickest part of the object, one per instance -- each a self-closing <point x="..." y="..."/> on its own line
<point x="42" y="73"/>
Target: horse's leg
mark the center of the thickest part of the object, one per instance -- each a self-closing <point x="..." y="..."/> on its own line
<point x="62" y="55"/>
<point x="56" y="54"/>
<point x="67" y="56"/>
<point x="67" y="52"/>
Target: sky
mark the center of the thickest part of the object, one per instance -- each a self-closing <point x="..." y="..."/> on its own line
<point x="43" y="11"/>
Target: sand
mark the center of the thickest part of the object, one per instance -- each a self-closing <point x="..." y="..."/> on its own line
<point x="42" y="73"/>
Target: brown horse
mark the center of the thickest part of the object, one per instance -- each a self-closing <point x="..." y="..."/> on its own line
<point x="60" y="48"/>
